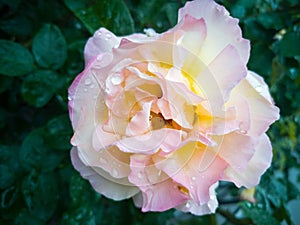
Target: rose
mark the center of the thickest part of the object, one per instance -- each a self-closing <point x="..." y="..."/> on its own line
<point x="163" y="117"/>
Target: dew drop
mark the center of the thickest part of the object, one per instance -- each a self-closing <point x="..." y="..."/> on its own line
<point x="192" y="187"/>
<point x="116" y="79"/>
<point x="99" y="57"/>
<point x="159" y="173"/>
<point x="98" y="33"/>
<point x="243" y="131"/>
<point x="259" y="88"/>
<point x="140" y="175"/>
<point x="108" y="36"/>
<point x="70" y="98"/>
<point x="115" y="172"/>
<point x="187" y="205"/>
<point x="92" y="86"/>
<point x="103" y="161"/>
<point x="193" y="178"/>
<point x="87" y="81"/>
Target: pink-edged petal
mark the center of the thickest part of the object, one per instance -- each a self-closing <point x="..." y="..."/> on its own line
<point x="218" y="79"/>
<point x="117" y="189"/>
<point x="228" y="70"/>
<point x="236" y="149"/>
<point x="261" y="109"/>
<point x="166" y="139"/>
<point x="140" y="123"/>
<point x="218" y="24"/>
<point x="257" y="165"/>
<point x="159" y="192"/>
<point x="102" y="41"/>
<point x="195" y="168"/>
<point x="194" y="34"/>
<point x="198" y="209"/>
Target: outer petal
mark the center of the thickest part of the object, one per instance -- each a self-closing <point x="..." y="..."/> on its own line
<point x="258" y="164"/>
<point x="236" y="149"/>
<point x="254" y="93"/>
<point x="103" y="41"/>
<point x="197" y="209"/>
<point x="110" y="188"/>
<point x="219" y="24"/>
<point x="159" y="192"/>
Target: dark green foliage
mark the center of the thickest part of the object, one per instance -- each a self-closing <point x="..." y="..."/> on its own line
<point x="41" y="52"/>
<point x="15" y="59"/>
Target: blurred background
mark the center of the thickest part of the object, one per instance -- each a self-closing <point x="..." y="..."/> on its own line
<point x="41" y="51"/>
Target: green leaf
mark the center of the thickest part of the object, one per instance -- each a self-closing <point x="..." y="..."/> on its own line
<point x="7" y="176"/>
<point x="38" y="88"/>
<point x="289" y="45"/>
<point x="111" y="14"/>
<point x="8" y="197"/>
<point x="15" y="60"/>
<point x="59" y="132"/>
<point x="271" y="20"/>
<point x="49" y="47"/>
<point x="11" y="26"/>
<point x="171" y="10"/>
<point x="82" y="215"/>
<point x="36" y="154"/>
<point x="25" y="218"/>
<point x="258" y="215"/>
<point x="261" y="55"/>
<point x="40" y="193"/>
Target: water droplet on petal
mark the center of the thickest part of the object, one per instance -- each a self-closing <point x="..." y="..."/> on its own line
<point x="194" y="178"/>
<point x="99" y="57"/>
<point x="87" y="81"/>
<point x="70" y="98"/>
<point x="159" y="173"/>
<point x="187" y="205"/>
<point x="259" y="88"/>
<point x="115" y="172"/>
<point x="140" y="175"/>
<point x="103" y="161"/>
<point x="92" y="86"/>
<point x="192" y="187"/>
<point x="108" y="36"/>
<point x="116" y="79"/>
<point x="243" y="131"/>
<point x="98" y="33"/>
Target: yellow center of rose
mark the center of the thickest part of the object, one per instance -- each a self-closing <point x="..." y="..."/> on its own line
<point x="158" y="122"/>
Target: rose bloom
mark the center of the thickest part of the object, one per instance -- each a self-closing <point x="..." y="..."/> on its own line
<point x="163" y="117"/>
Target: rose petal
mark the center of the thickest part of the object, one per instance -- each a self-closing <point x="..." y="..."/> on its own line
<point x="262" y="111"/>
<point x="219" y="24"/>
<point x="111" y="188"/>
<point x="166" y="139"/>
<point x="198" y="209"/>
<point x="195" y="168"/>
<point x="257" y="165"/>
<point x="154" y="184"/>
<point x="102" y="41"/>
